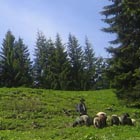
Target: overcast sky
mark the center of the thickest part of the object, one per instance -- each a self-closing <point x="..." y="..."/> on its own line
<point x="78" y="17"/>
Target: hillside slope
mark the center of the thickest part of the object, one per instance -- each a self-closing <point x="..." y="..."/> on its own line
<point x="37" y="114"/>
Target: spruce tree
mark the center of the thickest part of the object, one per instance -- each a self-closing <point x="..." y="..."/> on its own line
<point x="49" y="71"/>
<point x="61" y="65"/>
<point x="76" y="58"/>
<point x="6" y="60"/>
<point x="123" y="18"/>
<point x="15" y="62"/>
<point x="40" y="60"/>
<point x="90" y="65"/>
<point x="22" y="64"/>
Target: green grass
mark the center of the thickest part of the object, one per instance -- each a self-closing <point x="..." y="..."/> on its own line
<point x="37" y="114"/>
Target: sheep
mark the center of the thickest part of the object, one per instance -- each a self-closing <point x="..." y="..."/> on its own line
<point x="125" y="119"/>
<point x="103" y="117"/>
<point x="82" y="120"/>
<point x="99" y="120"/>
<point x="115" y="120"/>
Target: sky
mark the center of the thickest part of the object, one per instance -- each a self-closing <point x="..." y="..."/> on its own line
<point x="24" y="18"/>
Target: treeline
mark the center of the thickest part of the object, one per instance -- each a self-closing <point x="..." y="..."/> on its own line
<point x="56" y="65"/>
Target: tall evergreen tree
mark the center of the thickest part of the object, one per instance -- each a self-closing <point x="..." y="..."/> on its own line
<point x="22" y="64"/>
<point x="40" y="59"/>
<point x="76" y="59"/>
<point x="7" y="58"/>
<point x="15" y="62"/>
<point x="44" y="68"/>
<point x="49" y="71"/>
<point x="61" y="65"/>
<point x="123" y="18"/>
<point x="90" y="65"/>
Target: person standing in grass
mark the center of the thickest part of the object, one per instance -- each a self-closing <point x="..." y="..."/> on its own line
<point x="81" y="107"/>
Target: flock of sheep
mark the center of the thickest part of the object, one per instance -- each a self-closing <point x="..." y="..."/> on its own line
<point x="100" y="120"/>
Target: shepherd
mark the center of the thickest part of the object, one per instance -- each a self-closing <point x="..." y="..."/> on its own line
<point x="81" y="107"/>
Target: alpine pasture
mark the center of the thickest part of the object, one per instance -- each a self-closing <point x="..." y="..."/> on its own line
<point x="38" y="114"/>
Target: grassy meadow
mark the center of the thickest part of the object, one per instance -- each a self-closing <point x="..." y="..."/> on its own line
<point x="37" y="114"/>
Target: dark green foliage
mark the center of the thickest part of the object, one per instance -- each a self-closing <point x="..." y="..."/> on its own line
<point x="15" y="63"/>
<point x="101" y="78"/>
<point x="22" y="64"/>
<point x="76" y="59"/>
<point x="6" y="61"/>
<point x="90" y="66"/>
<point x="40" y="60"/>
<point x="56" y="65"/>
<point x="51" y="64"/>
<point x="62" y="66"/>
<point x="123" y="18"/>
